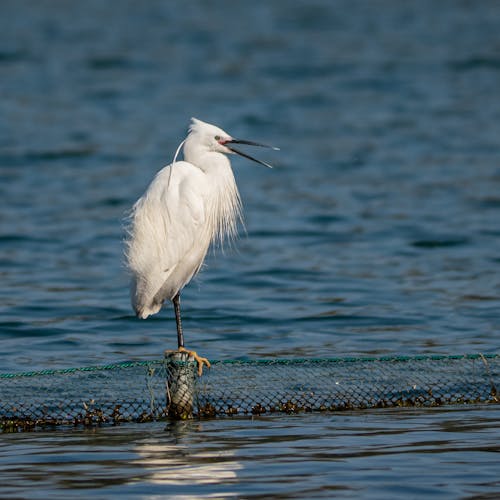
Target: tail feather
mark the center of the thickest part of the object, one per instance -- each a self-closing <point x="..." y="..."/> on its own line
<point x="141" y="303"/>
<point x="145" y="311"/>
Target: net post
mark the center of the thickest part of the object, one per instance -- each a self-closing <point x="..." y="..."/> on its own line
<point x="181" y="376"/>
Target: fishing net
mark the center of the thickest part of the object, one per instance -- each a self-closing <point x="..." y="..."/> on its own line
<point x="170" y="388"/>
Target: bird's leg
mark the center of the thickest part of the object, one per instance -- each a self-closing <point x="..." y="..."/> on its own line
<point x="180" y="337"/>
<point x="177" y="308"/>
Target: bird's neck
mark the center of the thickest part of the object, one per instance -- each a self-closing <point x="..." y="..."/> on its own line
<point x="223" y="199"/>
<point x="209" y="162"/>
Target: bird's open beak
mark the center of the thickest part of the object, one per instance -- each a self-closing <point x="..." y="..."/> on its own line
<point x="249" y="143"/>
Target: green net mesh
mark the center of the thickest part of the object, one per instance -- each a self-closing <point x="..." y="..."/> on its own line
<point x="152" y="390"/>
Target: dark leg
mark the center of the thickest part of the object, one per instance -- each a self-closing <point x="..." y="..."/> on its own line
<point x="180" y="337"/>
<point x="177" y="308"/>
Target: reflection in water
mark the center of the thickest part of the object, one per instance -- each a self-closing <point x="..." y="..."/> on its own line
<point x="178" y="463"/>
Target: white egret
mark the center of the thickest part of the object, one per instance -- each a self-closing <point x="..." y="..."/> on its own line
<point x="187" y="206"/>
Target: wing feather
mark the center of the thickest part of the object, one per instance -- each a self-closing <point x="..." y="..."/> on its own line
<point x="167" y="239"/>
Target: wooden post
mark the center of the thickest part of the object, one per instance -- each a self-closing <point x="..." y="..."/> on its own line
<point x="181" y="376"/>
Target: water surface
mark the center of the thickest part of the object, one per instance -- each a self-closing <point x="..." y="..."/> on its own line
<point x="376" y="233"/>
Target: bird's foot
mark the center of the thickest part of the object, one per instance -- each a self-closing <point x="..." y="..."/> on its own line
<point x="199" y="360"/>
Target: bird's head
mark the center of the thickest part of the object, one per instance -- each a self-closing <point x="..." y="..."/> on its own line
<point x="211" y="138"/>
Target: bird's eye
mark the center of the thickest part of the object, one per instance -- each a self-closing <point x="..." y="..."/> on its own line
<point x="217" y="137"/>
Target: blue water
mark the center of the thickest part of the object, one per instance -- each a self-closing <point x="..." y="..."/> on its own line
<point x="377" y="232"/>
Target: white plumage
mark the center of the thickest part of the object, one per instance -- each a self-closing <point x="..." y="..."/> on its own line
<point x="188" y="205"/>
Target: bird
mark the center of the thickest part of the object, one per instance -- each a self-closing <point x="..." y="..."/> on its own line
<point x="188" y="206"/>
